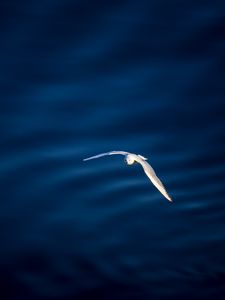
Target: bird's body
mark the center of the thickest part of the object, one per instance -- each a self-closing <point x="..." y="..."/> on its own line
<point x="130" y="158"/>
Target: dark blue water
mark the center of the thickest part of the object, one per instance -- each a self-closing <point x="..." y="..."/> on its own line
<point x="78" y="78"/>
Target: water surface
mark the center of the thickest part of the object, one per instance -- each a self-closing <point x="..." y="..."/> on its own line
<point x="80" y="78"/>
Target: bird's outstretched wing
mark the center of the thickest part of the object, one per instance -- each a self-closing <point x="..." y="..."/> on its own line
<point x="147" y="168"/>
<point x="155" y="180"/>
<point x="106" y="153"/>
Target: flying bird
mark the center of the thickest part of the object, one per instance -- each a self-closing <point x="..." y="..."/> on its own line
<point x="131" y="158"/>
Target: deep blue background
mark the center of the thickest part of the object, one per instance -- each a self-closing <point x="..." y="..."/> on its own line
<point x="79" y="78"/>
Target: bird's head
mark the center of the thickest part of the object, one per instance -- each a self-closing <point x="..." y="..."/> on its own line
<point x="129" y="159"/>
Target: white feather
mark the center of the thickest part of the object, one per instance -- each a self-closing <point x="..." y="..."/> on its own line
<point x="146" y="166"/>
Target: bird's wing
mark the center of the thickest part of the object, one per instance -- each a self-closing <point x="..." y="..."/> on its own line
<point x="155" y="180"/>
<point x="142" y="157"/>
<point x="106" y="153"/>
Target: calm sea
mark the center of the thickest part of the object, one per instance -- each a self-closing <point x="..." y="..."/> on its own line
<point x="78" y="78"/>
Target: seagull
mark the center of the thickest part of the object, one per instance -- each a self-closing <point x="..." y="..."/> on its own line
<point x="131" y="158"/>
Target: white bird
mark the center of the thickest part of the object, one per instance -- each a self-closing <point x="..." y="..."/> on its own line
<point x="131" y="158"/>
